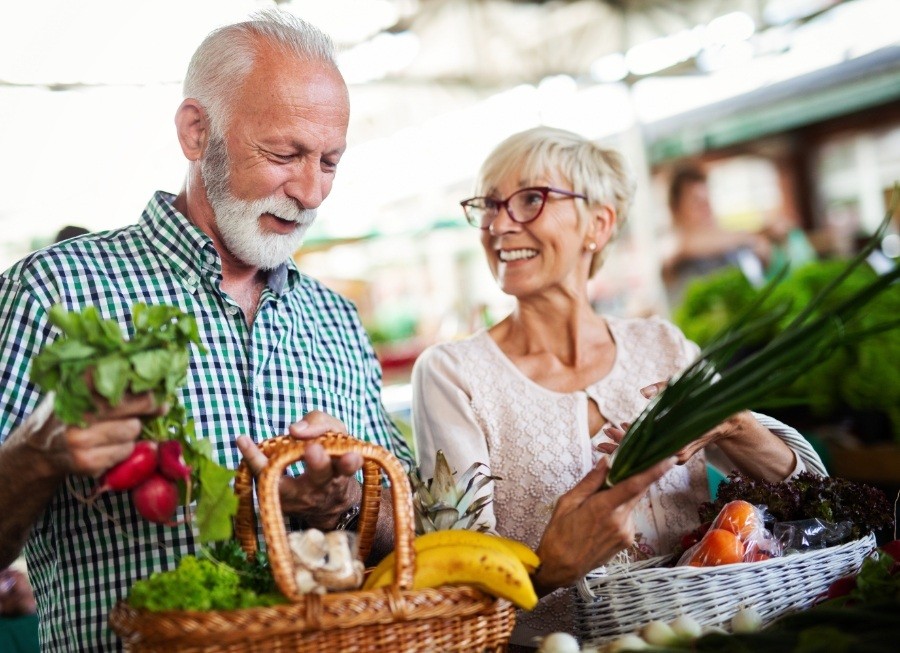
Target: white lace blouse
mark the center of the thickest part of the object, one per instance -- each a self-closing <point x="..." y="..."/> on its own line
<point x="472" y="402"/>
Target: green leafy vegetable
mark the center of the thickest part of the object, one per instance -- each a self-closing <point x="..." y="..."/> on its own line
<point x="255" y="572"/>
<point x="197" y="584"/>
<point x="710" y="390"/>
<point x="93" y="359"/>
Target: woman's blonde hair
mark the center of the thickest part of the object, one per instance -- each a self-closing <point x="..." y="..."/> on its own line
<point x="600" y="173"/>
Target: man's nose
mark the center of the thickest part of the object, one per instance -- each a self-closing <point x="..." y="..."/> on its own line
<point x="307" y="186"/>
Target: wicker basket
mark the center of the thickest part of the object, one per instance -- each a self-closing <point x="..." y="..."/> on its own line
<point x="626" y="597"/>
<point x="394" y="618"/>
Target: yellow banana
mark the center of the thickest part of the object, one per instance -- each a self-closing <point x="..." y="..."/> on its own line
<point x="496" y="572"/>
<point x="459" y="537"/>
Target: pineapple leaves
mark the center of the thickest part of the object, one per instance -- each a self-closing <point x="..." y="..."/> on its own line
<point x="442" y="503"/>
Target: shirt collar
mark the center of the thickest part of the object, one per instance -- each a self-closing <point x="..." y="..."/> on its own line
<point x="190" y="251"/>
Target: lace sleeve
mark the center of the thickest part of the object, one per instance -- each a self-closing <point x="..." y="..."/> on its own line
<point x="443" y="419"/>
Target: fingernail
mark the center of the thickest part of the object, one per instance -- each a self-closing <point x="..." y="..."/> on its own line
<point x="301" y="425"/>
<point x="650" y="391"/>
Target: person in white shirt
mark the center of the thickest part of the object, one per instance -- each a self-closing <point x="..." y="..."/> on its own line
<point x="540" y="396"/>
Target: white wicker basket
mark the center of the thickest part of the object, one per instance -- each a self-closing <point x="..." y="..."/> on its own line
<point x="617" y="600"/>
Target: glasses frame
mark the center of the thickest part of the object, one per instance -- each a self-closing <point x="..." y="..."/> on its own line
<point x="504" y="204"/>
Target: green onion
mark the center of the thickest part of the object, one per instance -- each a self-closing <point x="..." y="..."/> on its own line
<point x="709" y="390"/>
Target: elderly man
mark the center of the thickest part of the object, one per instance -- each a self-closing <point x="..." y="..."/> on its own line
<point x="263" y="127"/>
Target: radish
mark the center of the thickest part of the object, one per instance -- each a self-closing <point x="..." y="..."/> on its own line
<point x="132" y="471"/>
<point x="156" y="499"/>
<point x="171" y="462"/>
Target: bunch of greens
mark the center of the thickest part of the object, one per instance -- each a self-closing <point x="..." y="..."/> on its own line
<point x="255" y="572"/>
<point x="198" y="584"/>
<point x="710" y="390"/>
<point x="93" y="361"/>
<point x="807" y="496"/>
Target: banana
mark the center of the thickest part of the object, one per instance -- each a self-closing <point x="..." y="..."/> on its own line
<point x="460" y="537"/>
<point x="496" y="572"/>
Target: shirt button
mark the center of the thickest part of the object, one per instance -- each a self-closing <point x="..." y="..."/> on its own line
<point x="232" y="310"/>
<point x="192" y="279"/>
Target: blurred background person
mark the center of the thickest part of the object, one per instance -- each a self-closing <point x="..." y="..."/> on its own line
<point x="699" y="244"/>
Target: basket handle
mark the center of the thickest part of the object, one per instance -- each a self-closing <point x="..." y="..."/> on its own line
<point x="285" y="450"/>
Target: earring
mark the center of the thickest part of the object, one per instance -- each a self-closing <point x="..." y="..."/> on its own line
<point x="592" y="247"/>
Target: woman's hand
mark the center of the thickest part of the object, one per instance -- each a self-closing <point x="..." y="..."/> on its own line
<point x="751" y="447"/>
<point x="589" y="525"/>
<point x="327" y="487"/>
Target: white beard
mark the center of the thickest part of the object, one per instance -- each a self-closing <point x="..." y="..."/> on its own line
<point x="238" y="220"/>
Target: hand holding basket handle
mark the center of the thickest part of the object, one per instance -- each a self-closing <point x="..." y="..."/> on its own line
<point x="283" y="451"/>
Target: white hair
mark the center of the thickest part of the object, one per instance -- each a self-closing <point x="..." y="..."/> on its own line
<point x="226" y="56"/>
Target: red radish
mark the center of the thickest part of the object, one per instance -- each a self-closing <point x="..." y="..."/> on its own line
<point x="156" y="499"/>
<point x="171" y="462"/>
<point x="132" y="471"/>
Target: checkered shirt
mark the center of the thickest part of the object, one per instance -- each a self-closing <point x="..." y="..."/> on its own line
<point x="306" y="350"/>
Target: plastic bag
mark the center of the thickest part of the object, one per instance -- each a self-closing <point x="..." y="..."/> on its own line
<point x="813" y="533"/>
<point x="737" y="534"/>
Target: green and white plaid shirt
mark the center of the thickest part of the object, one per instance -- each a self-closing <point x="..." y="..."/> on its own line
<point x="306" y="351"/>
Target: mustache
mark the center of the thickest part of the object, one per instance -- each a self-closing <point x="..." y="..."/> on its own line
<point x="283" y="208"/>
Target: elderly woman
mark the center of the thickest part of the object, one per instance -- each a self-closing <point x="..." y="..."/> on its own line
<point x="539" y="396"/>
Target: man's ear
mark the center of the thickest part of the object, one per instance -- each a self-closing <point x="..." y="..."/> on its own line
<point x="193" y="129"/>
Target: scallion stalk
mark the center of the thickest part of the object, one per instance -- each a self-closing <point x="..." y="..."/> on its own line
<point x="708" y="391"/>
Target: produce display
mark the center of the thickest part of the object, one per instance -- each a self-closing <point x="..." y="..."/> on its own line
<point x="92" y="361"/>
<point x="715" y="386"/>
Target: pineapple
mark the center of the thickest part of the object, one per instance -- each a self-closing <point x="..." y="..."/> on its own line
<point x="441" y="504"/>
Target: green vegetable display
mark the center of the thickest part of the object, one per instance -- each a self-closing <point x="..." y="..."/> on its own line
<point x="714" y="387"/>
<point x="154" y="359"/>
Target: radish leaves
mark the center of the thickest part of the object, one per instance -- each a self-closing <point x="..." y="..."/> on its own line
<point x="92" y="359"/>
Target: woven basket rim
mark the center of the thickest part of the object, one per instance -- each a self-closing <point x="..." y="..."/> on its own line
<point x="586" y="584"/>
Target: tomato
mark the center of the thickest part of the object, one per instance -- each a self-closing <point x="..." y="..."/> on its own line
<point x="718" y="547"/>
<point x="739" y="517"/>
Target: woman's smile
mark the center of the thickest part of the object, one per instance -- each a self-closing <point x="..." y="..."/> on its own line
<point x="511" y="255"/>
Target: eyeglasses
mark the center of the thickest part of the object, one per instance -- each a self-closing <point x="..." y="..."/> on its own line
<point x="522" y="206"/>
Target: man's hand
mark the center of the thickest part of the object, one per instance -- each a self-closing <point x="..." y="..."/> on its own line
<point x="107" y="438"/>
<point x="590" y="525"/>
<point x="326" y="489"/>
